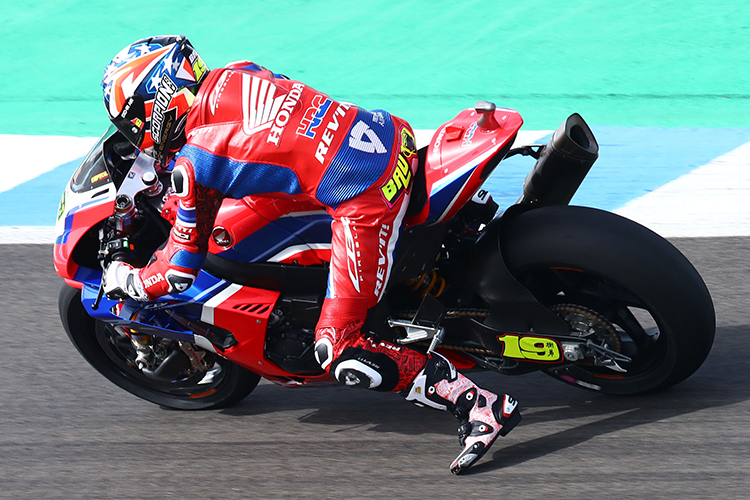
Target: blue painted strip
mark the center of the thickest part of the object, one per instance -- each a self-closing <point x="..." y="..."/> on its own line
<point x="261" y="244"/>
<point x="35" y="202"/>
<point x="69" y="218"/>
<point x="440" y="201"/>
<point x="633" y="161"/>
<point x="310" y="228"/>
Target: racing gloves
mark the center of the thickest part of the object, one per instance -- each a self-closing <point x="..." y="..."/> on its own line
<point x="121" y="281"/>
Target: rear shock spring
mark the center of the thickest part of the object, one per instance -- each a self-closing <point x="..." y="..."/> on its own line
<point x="428" y="282"/>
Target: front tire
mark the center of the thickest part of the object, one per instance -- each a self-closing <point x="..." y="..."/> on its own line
<point x="604" y="273"/>
<point x="224" y="385"/>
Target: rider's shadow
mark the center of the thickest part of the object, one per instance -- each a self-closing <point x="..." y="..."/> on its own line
<point x="546" y="405"/>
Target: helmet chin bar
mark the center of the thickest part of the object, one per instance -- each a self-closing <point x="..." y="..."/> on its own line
<point x="173" y="141"/>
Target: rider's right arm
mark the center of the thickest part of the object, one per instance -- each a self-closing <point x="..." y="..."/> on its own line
<point x="173" y="268"/>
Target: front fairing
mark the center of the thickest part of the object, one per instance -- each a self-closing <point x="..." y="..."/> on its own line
<point x="87" y="200"/>
<point x="112" y="168"/>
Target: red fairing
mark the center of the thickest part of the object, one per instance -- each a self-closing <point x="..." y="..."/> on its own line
<point x="241" y="218"/>
<point x="447" y="161"/>
<point x="80" y="222"/>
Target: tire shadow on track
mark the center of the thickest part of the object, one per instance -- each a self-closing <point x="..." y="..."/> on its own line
<point x="556" y="416"/>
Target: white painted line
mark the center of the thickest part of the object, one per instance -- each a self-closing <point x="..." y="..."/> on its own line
<point x="28" y="156"/>
<point x="710" y="201"/>
<point x="27" y="234"/>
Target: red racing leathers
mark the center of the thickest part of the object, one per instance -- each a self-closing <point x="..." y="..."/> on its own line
<point x="250" y="132"/>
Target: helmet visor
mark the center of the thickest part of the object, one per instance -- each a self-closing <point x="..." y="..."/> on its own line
<point x="131" y="122"/>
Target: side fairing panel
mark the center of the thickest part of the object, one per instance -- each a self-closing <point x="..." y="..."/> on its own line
<point x="273" y="230"/>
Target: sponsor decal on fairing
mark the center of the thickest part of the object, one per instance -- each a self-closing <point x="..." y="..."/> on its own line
<point x="469" y="135"/>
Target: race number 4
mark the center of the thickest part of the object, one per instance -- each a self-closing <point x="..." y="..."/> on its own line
<point x="364" y="139"/>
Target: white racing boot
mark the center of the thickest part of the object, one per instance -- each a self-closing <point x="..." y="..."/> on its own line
<point x="482" y="415"/>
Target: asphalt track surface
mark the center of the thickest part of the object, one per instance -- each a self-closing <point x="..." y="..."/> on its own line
<point x="66" y="432"/>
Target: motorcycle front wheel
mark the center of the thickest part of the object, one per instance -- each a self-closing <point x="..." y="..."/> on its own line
<point x="112" y="354"/>
<point x="619" y="285"/>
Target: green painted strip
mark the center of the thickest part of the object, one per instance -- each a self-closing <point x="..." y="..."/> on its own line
<point x="638" y="63"/>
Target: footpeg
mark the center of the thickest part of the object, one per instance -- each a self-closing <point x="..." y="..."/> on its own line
<point x="425" y="325"/>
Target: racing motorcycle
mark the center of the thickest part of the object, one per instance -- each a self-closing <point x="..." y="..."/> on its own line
<point x="586" y="296"/>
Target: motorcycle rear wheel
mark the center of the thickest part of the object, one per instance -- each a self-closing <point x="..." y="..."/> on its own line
<point x="625" y="279"/>
<point x="224" y="385"/>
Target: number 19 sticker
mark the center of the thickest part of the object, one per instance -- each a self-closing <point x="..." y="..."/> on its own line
<point x="539" y="349"/>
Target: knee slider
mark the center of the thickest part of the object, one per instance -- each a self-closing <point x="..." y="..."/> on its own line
<point x="357" y="367"/>
<point x="324" y="352"/>
<point x="354" y="373"/>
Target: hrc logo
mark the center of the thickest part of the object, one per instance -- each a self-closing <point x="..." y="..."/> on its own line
<point x="314" y="116"/>
<point x="400" y="181"/>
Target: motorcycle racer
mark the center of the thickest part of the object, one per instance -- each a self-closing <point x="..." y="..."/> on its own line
<point x="244" y="131"/>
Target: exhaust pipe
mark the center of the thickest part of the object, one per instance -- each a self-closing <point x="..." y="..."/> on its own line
<point x="562" y="165"/>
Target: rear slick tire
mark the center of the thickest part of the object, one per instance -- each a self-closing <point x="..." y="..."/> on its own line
<point x="228" y="384"/>
<point x="617" y="271"/>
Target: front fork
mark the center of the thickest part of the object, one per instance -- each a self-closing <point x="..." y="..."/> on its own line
<point x="161" y="359"/>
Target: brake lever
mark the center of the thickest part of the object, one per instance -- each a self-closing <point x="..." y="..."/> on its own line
<point x="99" y="295"/>
<point x="102" y="257"/>
<point x="112" y="246"/>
